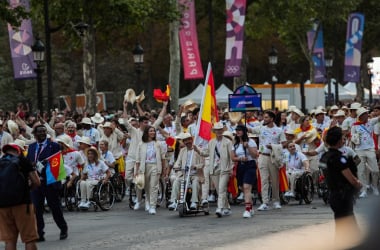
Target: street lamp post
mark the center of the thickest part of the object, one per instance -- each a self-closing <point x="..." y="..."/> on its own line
<point x="369" y="72"/>
<point x="272" y="56"/>
<point x="138" y="59"/>
<point x="329" y="63"/>
<point x="38" y="57"/>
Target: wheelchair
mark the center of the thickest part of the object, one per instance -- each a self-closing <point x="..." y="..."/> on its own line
<point x="70" y="195"/>
<point x="322" y="188"/>
<point x="304" y="189"/>
<point x="103" y="196"/>
<point x="118" y="183"/>
<point x="185" y="201"/>
<point x="133" y="196"/>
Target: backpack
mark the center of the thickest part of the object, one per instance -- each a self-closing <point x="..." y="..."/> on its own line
<point x="14" y="188"/>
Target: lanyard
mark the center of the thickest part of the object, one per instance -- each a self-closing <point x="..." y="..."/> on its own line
<point x="38" y="150"/>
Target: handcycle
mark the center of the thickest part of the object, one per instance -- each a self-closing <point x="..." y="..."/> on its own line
<point x="304" y="189"/>
<point x="184" y="202"/>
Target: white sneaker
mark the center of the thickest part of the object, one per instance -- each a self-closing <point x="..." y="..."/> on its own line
<point x="73" y="200"/>
<point x="152" y="210"/>
<point x="193" y="206"/>
<point x="218" y="212"/>
<point x="136" y="206"/>
<point x="81" y="204"/>
<point x="87" y="204"/>
<point x="247" y="214"/>
<point x="172" y="206"/>
<point x="211" y="198"/>
<point x="375" y="191"/>
<point x="363" y="194"/>
<point x="290" y="194"/>
<point x="240" y="197"/>
<point x="147" y="206"/>
<point x="276" y="205"/>
<point x="263" y="207"/>
<point x="204" y="202"/>
<point x="227" y="212"/>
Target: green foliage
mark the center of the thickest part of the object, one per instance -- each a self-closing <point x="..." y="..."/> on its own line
<point x="12" y="15"/>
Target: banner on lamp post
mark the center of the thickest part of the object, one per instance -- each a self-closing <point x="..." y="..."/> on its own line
<point x="188" y="38"/>
<point x="318" y="54"/>
<point x="354" y="38"/>
<point x="20" y="42"/>
<point x="235" y="10"/>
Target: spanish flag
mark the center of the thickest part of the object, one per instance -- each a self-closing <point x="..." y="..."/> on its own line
<point x="209" y="111"/>
<point x="162" y="96"/>
<point x="55" y="170"/>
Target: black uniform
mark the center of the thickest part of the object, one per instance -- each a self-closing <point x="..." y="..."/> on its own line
<point x="342" y="193"/>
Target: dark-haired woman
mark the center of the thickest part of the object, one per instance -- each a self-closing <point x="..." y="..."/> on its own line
<point x="244" y="151"/>
<point x="150" y="160"/>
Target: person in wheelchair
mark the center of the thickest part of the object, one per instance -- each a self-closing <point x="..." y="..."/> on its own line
<point x="296" y="164"/>
<point x="93" y="172"/>
<point x="107" y="156"/>
<point x="182" y="166"/>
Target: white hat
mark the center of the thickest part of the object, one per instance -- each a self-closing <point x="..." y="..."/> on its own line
<point x="189" y="105"/>
<point x="130" y="96"/>
<point x="312" y="112"/>
<point x="334" y="107"/>
<point x="139" y="180"/>
<point x="319" y="111"/>
<point x="360" y="111"/>
<point x="132" y="119"/>
<point x="86" y="120"/>
<point x="291" y="108"/>
<point x="97" y="118"/>
<point x="228" y="134"/>
<point x="140" y="97"/>
<point x="218" y="125"/>
<point x="340" y="113"/>
<point x="355" y="105"/>
<point x="253" y="135"/>
<point x="65" y="139"/>
<point x="12" y="127"/>
<point x="235" y="116"/>
<point x="321" y="107"/>
<point x="107" y="125"/>
<point x="120" y="120"/>
<point x="290" y="132"/>
<point x="93" y="149"/>
<point x="298" y="112"/>
<point x="184" y="136"/>
<point x="344" y="107"/>
<point x="85" y="140"/>
<point x="20" y="143"/>
<point x="311" y="135"/>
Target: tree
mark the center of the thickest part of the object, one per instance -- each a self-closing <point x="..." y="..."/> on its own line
<point x="125" y="20"/>
<point x="13" y="15"/>
<point x="289" y="20"/>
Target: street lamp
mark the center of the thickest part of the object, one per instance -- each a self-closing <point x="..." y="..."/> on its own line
<point x="329" y="63"/>
<point x="272" y="56"/>
<point x="369" y="72"/>
<point x="38" y="57"/>
<point x="138" y="59"/>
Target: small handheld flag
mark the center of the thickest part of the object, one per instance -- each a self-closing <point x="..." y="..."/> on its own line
<point x="55" y="170"/>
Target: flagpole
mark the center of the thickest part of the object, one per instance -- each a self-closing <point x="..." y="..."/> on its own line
<point x="197" y="130"/>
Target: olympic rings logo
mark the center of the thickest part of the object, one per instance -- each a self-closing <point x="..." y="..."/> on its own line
<point x="232" y="69"/>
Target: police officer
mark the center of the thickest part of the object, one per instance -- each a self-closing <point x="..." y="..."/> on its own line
<point x="342" y="182"/>
<point x="38" y="152"/>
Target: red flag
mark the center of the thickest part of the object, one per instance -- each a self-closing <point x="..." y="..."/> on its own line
<point x="232" y="187"/>
<point x="162" y="96"/>
<point x="284" y="184"/>
<point x="209" y="111"/>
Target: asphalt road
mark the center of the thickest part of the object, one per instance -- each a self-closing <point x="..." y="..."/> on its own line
<point x="123" y="228"/>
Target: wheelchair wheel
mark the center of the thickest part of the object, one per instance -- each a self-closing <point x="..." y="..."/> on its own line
<point x="70" y="195"/>
<point x="307" y="190"/>
<point x="119" y="186"/>
<point x="168" y="193"/>
<point x="105" y="196"/>
<point x="161" y="193"/>
<point x="77" y="192"/>
<point x="132" y="195"/>
<point x="181" y="210"/>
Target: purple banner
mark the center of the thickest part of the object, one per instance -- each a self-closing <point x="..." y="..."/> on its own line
<point x="235" y="36"/>
<point x="353" y="54"/>
<point x="318" y="54"/>
<point x="21" y="42"/>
